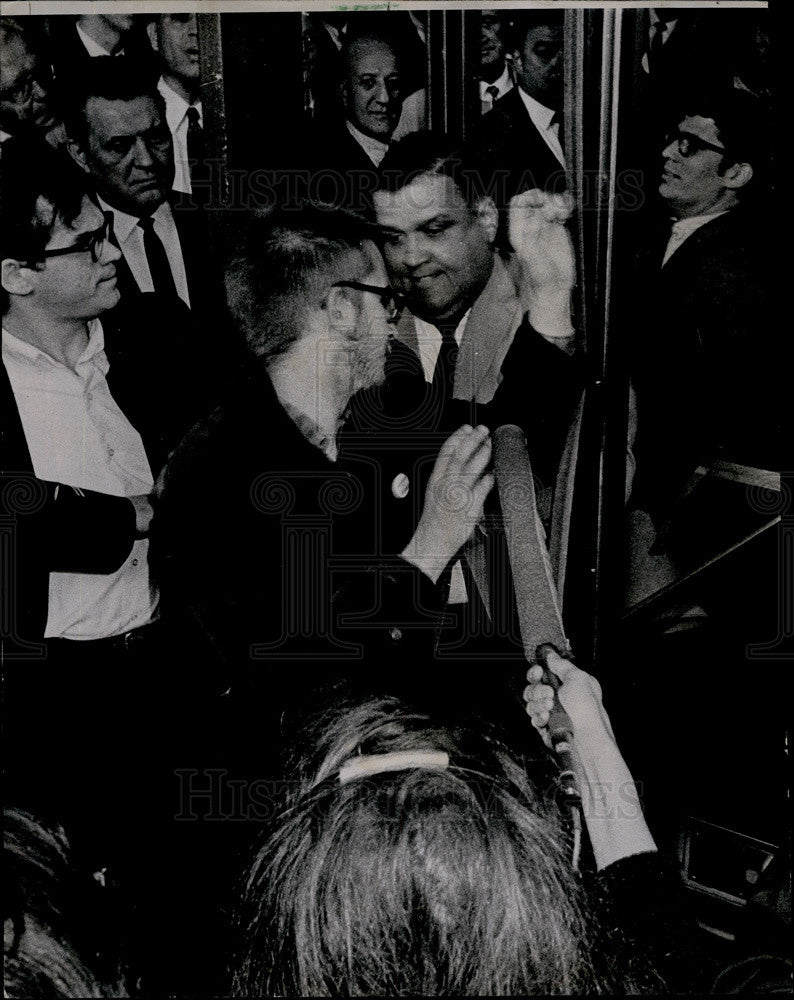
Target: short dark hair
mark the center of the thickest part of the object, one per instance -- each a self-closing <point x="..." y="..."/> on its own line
<point x="422" y="153"/>
<point x="522" y="22"/>
<point x="114" y="78"/>
<point x="451" y="880"/>
<point x="38" y="187"/>
<point x="286" y="261"/>
<point x="742" y="126"/>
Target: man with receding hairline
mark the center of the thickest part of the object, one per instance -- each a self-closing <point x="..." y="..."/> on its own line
<point x="340" y="157"/>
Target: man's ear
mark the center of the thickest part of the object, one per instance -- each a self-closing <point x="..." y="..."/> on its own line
<point x="342" y="311"/>
<point x="518" y="61"/>
<point x="488" y="216"/>
<point x="17" y="279"/>
<point x="151" y="31"/>
<point x="78" y="155"/>
<point x="737" y="175"/>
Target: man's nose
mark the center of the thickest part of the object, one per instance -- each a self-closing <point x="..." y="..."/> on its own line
<point x="414" y="250"/>
<point x="382" y="95"/>
<point x="670" y="151"/>
<point x="142" y="154"/>
<point x="110" y="252"/>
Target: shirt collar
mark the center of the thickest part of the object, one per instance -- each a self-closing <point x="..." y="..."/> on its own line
<point x="541" y="115"/>
<point x="92" y="47"/>
<point x="124" y="224"/>
<point x="374" y="148"/>
<point x="668" y="24"/>
<point x="693" y="222"/>
<point x="503" y="83"/>
<point x="176" y="107"/>
<point x="94" y="350"/>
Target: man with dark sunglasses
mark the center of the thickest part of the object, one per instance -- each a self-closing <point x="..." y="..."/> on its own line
<point x="705" y="366"/>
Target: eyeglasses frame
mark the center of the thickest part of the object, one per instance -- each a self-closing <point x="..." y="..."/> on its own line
<point x="95" y="241"/>
<point x="678" y="137"/>
<point x="388" y="297"/>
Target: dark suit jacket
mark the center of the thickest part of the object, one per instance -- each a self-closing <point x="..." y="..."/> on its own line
<point x="202" y="270"/>
<point x="513" y="152"/>
<point x="68" y="56"/>
<point x="270" y="556"/>
<point x="707" y="357"/>
<point x="333" y="167"/>
<point x="56" y="529"/>
<point x="505" y="373"/>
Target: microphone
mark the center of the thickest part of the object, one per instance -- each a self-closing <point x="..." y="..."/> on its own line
<point x="537" y="604"/>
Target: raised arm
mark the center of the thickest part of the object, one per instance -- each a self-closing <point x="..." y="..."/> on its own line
<point x="543" y="247"/>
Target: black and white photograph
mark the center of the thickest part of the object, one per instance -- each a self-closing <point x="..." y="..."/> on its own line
<point x="397" y="590"/>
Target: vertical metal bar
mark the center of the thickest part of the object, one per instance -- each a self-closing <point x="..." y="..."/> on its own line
<point x="607" y="166"/>
<point x="574" y="55"/>
<point x="436" y="70"/>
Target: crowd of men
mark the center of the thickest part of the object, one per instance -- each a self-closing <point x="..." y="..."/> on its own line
<point x="234" y="487"/>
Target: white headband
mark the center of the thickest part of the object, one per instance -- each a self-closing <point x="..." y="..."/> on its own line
<point x="401" y="760"/>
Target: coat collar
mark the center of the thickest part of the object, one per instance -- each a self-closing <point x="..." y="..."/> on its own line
<point x="494" y="318"/>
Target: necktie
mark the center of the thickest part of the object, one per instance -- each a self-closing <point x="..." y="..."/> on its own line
<point x="159" y="268"/>
<point x="556" y="120"/>
<point x="487" y="102"/>
<point x="444" y="372"/>
<point x="196" y="150"/>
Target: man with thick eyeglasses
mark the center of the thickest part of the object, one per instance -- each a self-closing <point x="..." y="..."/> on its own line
<point x="706" y="363"/>
<point x="290" y="520"/>
<point x="93" y="398"/>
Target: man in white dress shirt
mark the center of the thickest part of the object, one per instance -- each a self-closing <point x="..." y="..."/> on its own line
<point x="92" y="401"/>
<point x="521" y="139"/>
<point x="119" y="135"/>
<point x="706" y="365"/>
<point x="473" y="317"/>
<point x="371" y="93"/>
<point x="174" y="37"/>
<point x="104" y="34"/>
<point x="495" y="78"/>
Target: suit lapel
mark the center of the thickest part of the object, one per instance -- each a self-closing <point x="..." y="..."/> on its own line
<point x="694" y="245"/>
<point x="494" y="318"/>
<point x="492" y="322"/>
